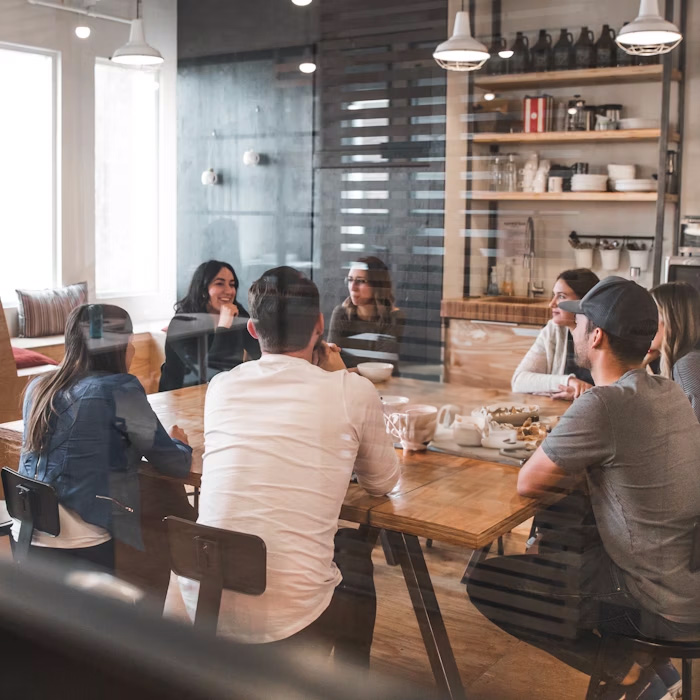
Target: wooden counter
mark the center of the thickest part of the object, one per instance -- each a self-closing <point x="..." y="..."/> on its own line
<point x="535" y="312"/>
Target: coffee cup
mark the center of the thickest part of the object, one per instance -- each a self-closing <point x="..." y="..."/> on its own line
<point x="465" y="431"/>
<point x="556" y="184"/>
<point x="393" y="404"/>
<point x="414" y="426"/>
<point x="447" y="414"/>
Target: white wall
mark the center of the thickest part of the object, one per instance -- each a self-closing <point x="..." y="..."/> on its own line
<point x="30" y="25"/>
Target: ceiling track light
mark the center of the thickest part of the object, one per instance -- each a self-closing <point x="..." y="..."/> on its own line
<point x="137" y="51"/>
<point x="649" y="34"/>
<point x="461" y="52"/>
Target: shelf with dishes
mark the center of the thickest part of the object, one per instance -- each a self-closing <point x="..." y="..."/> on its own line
<point x="621" y="135"/>
<point x="619" y="197"/>
<point x="576" y="77"/>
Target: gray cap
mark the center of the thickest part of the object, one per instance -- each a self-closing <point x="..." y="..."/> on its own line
<point x="620" y="307"/>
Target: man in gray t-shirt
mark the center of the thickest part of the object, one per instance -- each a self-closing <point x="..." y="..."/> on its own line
<point x="633" y="443"/>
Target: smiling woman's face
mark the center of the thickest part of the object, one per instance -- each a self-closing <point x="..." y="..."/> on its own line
<point x="222" y="290"/>
<point x="562" y="292"/>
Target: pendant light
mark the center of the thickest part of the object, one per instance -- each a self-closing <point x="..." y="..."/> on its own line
<point x="650" y="34"/>
<point x="307" y="63"/>
<point x="137" y="52"/>
<point x="461" y="52"/>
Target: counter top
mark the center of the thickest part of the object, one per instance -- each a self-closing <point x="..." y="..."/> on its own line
<point x="501" y="308"/>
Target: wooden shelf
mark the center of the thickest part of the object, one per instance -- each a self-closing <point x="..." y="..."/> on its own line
<point x="485" y="195"/>
<point x="562" y="78"/>
<point x="622" y="135"/>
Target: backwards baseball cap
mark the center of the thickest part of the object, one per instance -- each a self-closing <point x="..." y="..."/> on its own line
<point x="620" y="307"/>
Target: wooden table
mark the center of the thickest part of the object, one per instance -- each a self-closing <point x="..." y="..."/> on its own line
<point x="443" y="497"/>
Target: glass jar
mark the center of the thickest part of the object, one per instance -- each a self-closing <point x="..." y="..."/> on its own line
<point x="497" y="173"/>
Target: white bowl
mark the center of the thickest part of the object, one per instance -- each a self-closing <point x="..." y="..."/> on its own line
<point x="622" y="172"/>
<point x="498" y="439"/>
<point x="589" y="183"/>
<point x="393" y="403"/>
<point x="376" y="371"/>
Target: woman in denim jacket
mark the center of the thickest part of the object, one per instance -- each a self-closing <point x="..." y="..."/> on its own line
<point x="86" y="428"/>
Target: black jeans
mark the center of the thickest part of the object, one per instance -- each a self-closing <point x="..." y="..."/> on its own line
<point x="347" y="624"/>
<point x="556" y="600"/>
<point x="99" y="557"/>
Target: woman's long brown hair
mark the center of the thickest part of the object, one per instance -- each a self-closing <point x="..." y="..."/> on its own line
<point x="379" y="280"/>
<point x="679" y="309"/>
<point x="84" y="355"/>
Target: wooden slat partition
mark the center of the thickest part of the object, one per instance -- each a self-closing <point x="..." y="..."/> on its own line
<point x="375" y="63"/>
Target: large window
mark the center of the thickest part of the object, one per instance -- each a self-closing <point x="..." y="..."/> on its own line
<point x="126" y="181"/>
<point x="27" y="170"/>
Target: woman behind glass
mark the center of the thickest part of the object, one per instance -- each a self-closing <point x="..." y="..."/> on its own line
<point x="677" y="341"/>
<point x="86" y="428"/>
<point x="367" y="326"/>
<point x="208" y="335"/>
<point x="549" y="366"/>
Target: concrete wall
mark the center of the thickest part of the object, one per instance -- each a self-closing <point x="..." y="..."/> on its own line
<point x="212" y="27"/>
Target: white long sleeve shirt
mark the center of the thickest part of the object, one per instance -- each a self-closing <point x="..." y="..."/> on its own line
<point x="282" y="438"/>
<point x="541" y="371"/>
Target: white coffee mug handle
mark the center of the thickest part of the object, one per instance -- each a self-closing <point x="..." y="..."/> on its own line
<point x="446" y="415"/>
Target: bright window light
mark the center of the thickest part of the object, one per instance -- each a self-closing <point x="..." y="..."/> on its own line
<point x="126" y="181"/>
<point x="27" y="171"/>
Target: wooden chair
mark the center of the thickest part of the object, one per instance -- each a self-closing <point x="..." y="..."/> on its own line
<point x="34" y="504"/>
<point x="12" y="381"/>
<point x="218" y="559"/>
<point x="686" y="651"/>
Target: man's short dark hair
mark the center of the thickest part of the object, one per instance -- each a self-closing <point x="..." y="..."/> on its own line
<point x="626" y="351"/>
<point x="284" y="306"/>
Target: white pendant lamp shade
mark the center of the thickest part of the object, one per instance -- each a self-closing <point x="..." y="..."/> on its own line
<point x="461" y="51"/>
<point x="650" y="34"/>
<point x="137" y="52"/>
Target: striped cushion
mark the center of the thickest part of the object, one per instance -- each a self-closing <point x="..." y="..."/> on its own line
<point x="45" y="311"/>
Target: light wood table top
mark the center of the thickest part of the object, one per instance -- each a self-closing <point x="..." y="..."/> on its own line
<point x="441" y="496"/>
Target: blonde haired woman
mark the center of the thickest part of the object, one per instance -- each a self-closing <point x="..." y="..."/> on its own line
<point x="367" y="326"/>
<point x="677" y="341"/>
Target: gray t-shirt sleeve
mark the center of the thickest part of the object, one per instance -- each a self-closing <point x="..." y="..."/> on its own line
<point x="583" y="437"/>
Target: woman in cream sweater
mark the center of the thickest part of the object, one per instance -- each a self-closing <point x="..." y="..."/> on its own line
<point x="549" y="366"/>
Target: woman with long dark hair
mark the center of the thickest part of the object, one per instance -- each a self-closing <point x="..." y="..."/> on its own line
<point x="86" y="428"/>
<point x="368" y="326"/>
<point x="549" y="366"/>
<point x="677" y="342"/>
<point x="208" y="334"/>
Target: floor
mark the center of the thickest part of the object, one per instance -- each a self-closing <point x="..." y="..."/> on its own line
<point x="493" y="665"/>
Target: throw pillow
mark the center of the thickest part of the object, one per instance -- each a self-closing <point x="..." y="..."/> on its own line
<point x="45" y="311"/>
<point x="25" y="358"/>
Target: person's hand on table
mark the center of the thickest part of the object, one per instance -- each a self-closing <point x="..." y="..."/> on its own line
<point x="572" y="390"/>
<point x="327" y="356"/>
<point x="228" y="312"/>
<point x="177" y="433"/>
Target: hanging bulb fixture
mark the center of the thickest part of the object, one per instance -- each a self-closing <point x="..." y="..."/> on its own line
<point x="650" y="34"/>
<point x="308" y="62"/>
<point x="82" y="31"/>
<point x="301" y="3"/>
<point x="461" y="52"/>
<point x="137" y="52"/>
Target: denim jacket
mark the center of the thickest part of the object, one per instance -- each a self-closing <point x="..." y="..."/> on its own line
<point x="102" y="427"/>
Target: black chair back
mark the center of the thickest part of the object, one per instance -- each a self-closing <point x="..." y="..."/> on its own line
<point x="218" y="559"/>
<point x="34" y="504"/>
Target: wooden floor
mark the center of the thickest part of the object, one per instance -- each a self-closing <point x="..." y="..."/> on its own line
<point x="493" y="665"/>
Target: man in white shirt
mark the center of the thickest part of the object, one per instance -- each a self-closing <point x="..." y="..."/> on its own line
<point x="283" y="436"/>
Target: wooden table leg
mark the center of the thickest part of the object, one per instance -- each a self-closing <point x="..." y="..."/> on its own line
<point x="408" y="553"/>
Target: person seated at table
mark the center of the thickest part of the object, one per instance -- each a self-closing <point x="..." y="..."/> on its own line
<point x="208" y="333"/>
<point x="86" y="428"/>
<point x="283" y="436"/>
<point x="368" y="326"/>
<point x="677" y="342"/>
<point x="633" y="441"/>
<point x="549" y="366"/>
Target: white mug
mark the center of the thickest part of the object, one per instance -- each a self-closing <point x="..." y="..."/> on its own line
<point x="447" y="415"/>
<point x="556" y="184"/>
<point x="413" y="427"/>
<point x="466" y="432"/>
